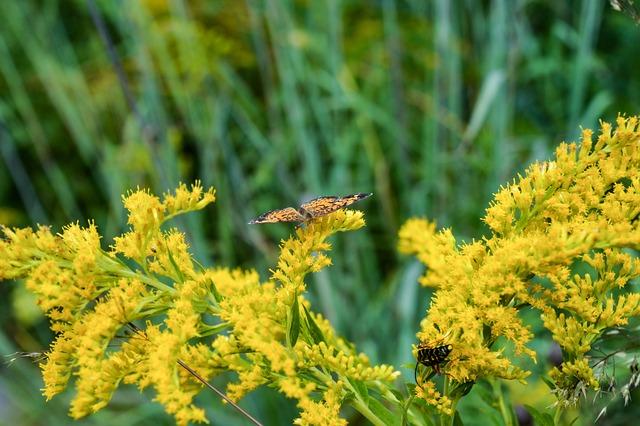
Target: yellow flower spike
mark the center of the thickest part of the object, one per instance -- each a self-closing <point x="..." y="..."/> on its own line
<point x="90" y="337"/>
<point x="56" y="369"/>
<point x="230" y="282"/>
<point x="294" y="387"/>
<point x="299" y="256"/>
<point x="147" y="213"/>
<point x="436" y="250"/>
<point x="170" y="256"/>
<point x="248" y="380"/>
<point x="131" y="245"/>
<point x="347" y="364"/>
<point x="145" y="210"/>
<point x="187" y="200"/>
<point x="581" y="206"/>
<point x="569" y="377"/>
<point x="427" y="391"/>
<point x="325" y="412"/>
<point x="161" y="371"/>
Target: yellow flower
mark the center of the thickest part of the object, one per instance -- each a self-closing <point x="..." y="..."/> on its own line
<point x="185" y="200"/>
<point x="581" y="207"/>
<point x="299" y="256"/>
<point x="170" y="256"/>
<point x="348" y="365"/>
<point x="84" y="346"/>
<point x="90" y="295"/>
<point x="147" y="213"/>
<point x="571" y="379"/>
<point x="263" y="332"/>
<point x="428" y="392"/>
<point x="326" y="412"/>
<point x="145" y="210"/>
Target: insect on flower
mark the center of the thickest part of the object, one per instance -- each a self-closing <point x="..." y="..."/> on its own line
<point x="431" y="357"/>
<point x="310" y="210"/>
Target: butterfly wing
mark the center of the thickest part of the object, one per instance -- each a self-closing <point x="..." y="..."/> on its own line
<point x="325" y="205"/>
<point x="288" y="214"/>
<point x="320" y="206"/>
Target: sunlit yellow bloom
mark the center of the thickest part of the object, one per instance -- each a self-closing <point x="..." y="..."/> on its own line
<point x="299" y="256"/>
<point x="350" y="365"/>
<point x="186" y="199"/>
<point x="147" y="212"/>
<point x="428" y="392"/>
<point x="134" y="314"/>
<point x="581" y="207"/>
<point x="571" y="379"/>
<point x="325" y="412"/>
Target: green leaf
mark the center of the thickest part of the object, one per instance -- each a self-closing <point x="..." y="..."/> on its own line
<point x="405" y="409"/>
<point x="457" y="420"/>
<point x="540" y="418"/>
<point x="548" y="382"/>
<point x="175" y="266"/>
<point x="293" y="329"/>
<point x="122" y="261"/>
<point x="216" y="293"/>
<point x="314" y="330"/>
<point x="411" y="388"/>
<point x="383" y="413"/>
<point x="399" y="396"/>
<point x="461" y="390"/>
<point x="361" y="389"/>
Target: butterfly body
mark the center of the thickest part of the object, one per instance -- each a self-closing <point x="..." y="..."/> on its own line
<point x="317" y="207"/>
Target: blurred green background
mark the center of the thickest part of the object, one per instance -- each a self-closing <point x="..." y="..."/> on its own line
<point x="431" y="105"/>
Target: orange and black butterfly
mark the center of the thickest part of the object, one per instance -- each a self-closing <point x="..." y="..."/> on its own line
<point x="310" y="210"/>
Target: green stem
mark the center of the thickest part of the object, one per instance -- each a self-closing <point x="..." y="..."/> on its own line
<point x="557" y="414"/>
<point x="414" y="418"/>
<point x="363" y="409"/>
<point x="147" y="280"/>
<point x="444" y="417"/>
<point x="115" y="267"/>
<point x="506" y="414"/>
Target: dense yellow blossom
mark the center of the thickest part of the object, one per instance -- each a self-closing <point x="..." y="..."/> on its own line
<point x="260" y="315"/>
<point x="429" y="393"/>
<point x="264" y="332"/>
<point x="581" y="208"/>
<point x="91" y="295"/>
<point x="571" y="379"/>
<point x="148" y="212"/>
<point x="325" y="412"/>
<point x="354" y="366"/>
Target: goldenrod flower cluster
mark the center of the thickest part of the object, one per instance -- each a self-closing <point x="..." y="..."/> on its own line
<point x="148" y="288"/>
<point x="294" y="348"/>
<point x="430" y="394"/>
<point x="578" y="212"/>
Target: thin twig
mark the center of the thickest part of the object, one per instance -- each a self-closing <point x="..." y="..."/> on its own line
<point x="191" y="371"/>
<point x="222" y="395"/>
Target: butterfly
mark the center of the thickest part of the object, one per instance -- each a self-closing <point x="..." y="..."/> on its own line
<point x="310" y="210"/>
<point x="431" y="357"/>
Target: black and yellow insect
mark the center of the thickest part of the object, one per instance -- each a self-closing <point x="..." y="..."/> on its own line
<point x="431" y="357"/>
